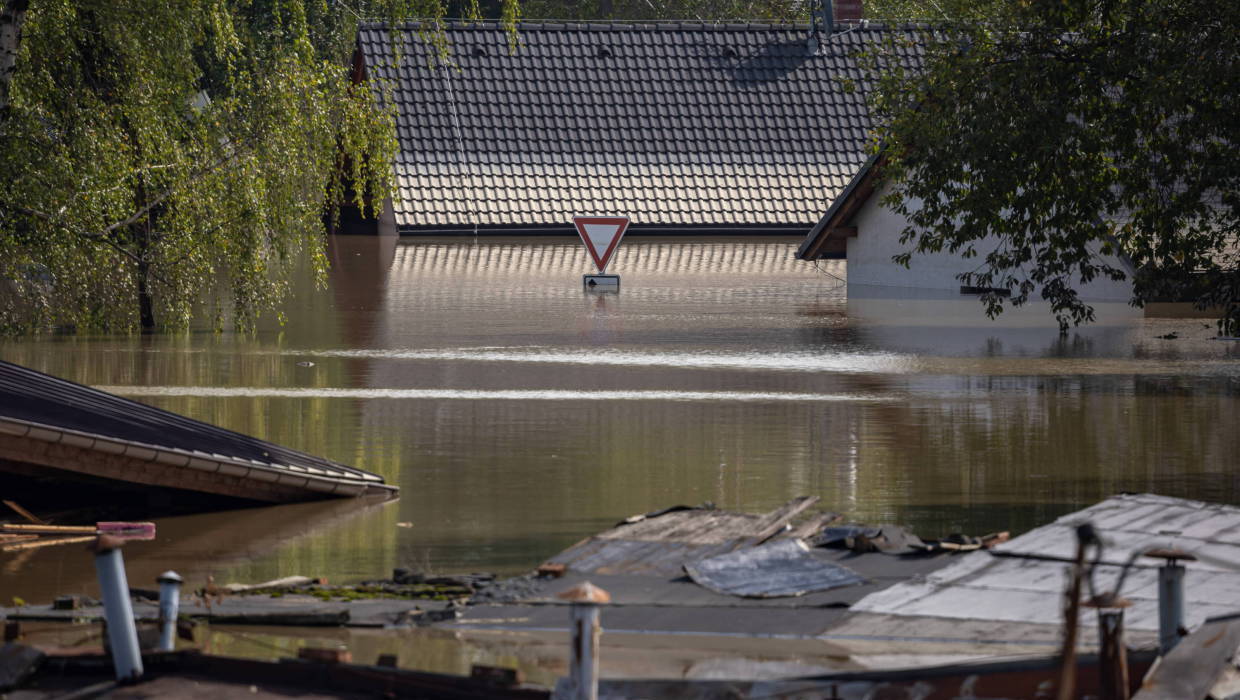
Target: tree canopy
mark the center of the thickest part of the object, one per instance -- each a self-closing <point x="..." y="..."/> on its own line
<point x="158" y="154"/>
<point x="1074" y="133"/>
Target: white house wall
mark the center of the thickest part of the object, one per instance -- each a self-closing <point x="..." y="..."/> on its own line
<point x="870" y="253"/>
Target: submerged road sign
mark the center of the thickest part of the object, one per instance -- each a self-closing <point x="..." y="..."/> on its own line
<point x="601" y="235"/>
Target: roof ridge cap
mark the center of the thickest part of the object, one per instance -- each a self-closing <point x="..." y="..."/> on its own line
<point x="560" y="24"/>
<point x="457" y="24"/>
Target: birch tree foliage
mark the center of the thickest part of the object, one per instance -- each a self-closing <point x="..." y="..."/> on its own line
<point x="158" y="154"/>
<point x="1073" y="132"/>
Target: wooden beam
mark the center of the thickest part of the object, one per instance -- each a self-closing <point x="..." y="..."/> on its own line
<point x="813" y="526"/>
<point x="773" y="523"/>
<point x="50" y="529"/>
<point x="43" y="542"/>
<point x="25" y="513"/>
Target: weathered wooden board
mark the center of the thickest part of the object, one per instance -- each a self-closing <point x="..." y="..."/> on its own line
<point x="660" y="544"/>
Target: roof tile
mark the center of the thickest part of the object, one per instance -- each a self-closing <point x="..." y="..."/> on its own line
<point x="670" y="127"/>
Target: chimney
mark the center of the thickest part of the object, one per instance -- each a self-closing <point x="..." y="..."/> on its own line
<point x="848" y="11"/>
<point x="825" y="15"/>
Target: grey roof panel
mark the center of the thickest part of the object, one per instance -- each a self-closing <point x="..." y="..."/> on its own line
<point x="982" y="586"/>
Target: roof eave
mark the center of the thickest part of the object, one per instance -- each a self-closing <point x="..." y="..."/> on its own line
<point x="634" y="229"/>
<point x="832" y="223"/>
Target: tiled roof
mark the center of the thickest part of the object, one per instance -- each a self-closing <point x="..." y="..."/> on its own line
<point x="44" y="404"/>
<point x="724" y="127"/>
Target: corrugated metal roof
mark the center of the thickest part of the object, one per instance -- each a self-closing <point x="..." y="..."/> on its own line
<point x="981" y="586"/>
<point x="686" y="124"/>
<point x="781" y="568"/>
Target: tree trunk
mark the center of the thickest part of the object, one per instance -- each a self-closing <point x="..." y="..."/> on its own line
<point x="12" y="16"/>
<point x="146" y="305"/>
<point x="142" y="238"/>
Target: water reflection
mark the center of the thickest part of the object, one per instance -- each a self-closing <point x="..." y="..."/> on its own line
<point x="519" y="413"/>
<point x="247" y="545"/>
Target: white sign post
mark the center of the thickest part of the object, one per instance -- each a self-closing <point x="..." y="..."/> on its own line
<point x="601" y="235"/>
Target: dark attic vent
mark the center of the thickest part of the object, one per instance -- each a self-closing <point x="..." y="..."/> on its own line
<point x="729" y="52"/>
<point x="479" y="51"/>
<point x="604" y="52"/>
<point x="999" y="291"/>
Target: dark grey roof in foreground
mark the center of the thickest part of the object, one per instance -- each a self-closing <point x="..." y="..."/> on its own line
<point x="31" y="401"/>
<point x="723" y="127"/>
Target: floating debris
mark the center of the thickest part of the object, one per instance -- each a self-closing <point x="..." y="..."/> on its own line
<point x="783" y="568"/>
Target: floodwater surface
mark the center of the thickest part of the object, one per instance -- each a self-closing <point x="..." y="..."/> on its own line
<point x="519" y="413"/>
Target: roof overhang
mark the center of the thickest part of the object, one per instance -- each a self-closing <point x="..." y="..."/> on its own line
<point x="828" y="237"/>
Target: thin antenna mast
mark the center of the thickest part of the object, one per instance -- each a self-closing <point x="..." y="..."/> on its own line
<point x="821" y="24"/>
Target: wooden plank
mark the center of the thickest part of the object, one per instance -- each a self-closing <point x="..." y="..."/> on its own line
<point x="700" y="527"/>
<point x="25" y="513"/>
<point x="773" y="523"/>
<point x="49" y="529"/>
<point x="1191" y="668"/>
<point x="45" y="543"/>
<point x="813" y="526"/>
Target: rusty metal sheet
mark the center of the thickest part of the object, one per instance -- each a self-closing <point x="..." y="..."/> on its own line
<point x="1191" y="668"/>
<point x="781" y="568"/>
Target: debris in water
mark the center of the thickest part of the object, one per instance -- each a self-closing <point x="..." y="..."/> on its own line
<point x="783" y="568"/>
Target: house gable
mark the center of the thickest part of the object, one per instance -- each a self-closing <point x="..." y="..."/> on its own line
<point x="859" y="228"/>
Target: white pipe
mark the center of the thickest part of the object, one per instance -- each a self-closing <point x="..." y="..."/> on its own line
<point x="118" y="610"/>
<point x="169" y="606"/>
<point x="584" y="670"/>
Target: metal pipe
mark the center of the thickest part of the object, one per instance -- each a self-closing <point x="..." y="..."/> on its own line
<point x="585" y="651"/>
<point x="1170" y="605"/>
<point x="583" y="667"/>
<point x="117" y="608"/>
<point x="169" y="606"/>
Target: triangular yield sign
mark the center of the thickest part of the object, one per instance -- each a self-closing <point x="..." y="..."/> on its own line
<point x="601" y="234"/>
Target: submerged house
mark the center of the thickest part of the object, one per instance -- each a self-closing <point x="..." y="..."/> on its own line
<point x="687" y="128"/>
<point x="860" y="229"/>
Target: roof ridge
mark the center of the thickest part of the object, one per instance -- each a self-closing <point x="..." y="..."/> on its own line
<point x="630" y="25"/>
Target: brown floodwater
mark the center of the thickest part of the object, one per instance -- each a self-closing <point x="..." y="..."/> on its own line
<point x="519" y="414"/>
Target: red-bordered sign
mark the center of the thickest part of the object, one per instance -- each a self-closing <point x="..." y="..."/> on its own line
<point x="601" y="234"/>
